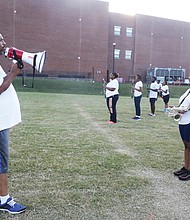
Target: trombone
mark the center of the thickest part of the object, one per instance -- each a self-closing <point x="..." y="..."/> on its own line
<point x="176" y="112"/>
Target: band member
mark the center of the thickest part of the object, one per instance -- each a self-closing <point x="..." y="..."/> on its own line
<point x="153" y="95"/>
<point x="112" y="96"/>
<point x="9" y="116"/>
<point x="159" y="88"/>
<point x="165" y="94"/>
<point x="184" y="129"/>
<point x="137" y="90"/>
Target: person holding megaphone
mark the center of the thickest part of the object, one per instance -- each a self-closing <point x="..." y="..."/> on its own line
<point x="10" y="116"/>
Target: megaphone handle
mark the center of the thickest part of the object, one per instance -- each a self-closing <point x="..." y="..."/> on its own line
<point x="20" y="64"/>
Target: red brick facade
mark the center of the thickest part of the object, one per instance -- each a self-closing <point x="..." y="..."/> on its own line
<point x="78" y="36"/>
<point x="156" y="42"/>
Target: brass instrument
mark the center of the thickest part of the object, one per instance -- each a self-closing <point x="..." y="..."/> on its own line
<point x="176" y="112"/>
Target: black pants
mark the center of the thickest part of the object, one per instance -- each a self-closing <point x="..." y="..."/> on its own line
<point x="152" y="104"/>
<point x="111" y="104"/>
<point x="137" y="101"/>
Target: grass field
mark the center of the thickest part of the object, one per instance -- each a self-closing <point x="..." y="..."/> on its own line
<point x="79" y="87"/>
<point x="66" y="163"/>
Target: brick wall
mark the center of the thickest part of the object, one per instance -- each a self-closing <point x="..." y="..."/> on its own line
<point x="78" y="36"/>
<point x="73" y="32"/>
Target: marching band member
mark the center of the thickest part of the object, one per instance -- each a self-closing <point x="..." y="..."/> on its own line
<point x="159" y="84"/>
<point x="137" y="89"/>
<point x="184" y="129"/>
<point x="165" y="94"/>
<point x="112" y="96"/>
<point x="153" y="95"/>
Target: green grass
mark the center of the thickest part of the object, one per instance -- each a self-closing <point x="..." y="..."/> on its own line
<point x="67" y="163"/>
<point x="80" y="87"/>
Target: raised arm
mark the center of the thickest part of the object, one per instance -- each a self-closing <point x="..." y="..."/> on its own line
<point x="8" y="79"/>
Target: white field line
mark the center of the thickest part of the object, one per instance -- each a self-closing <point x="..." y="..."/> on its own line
<point x="171" y="196"/>
<point x="114" y="140"/>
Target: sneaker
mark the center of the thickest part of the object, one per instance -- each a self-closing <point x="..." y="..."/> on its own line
<point x="185" y="176"/>
<point x="137" y="118"/>
<point x="111" y="122"/>
<point x="12" y="207"/>
<point x="150" y="114"/>
<point x="180" y="172"/>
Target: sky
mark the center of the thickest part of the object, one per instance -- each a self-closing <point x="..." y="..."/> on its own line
<point x="172" y="9"/>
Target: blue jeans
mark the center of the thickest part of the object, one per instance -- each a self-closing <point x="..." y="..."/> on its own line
<point x="4" y="150"/>
<point x="137" y="101"/>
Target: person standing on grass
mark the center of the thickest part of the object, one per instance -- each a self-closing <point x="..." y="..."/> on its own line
<point x="137" y="90"/>
<point x="9" y="116"/>
<point x="153" y="95"/>
<point x="165" y="95"/>
<point x="184" y="129"/>
<point x="112" y="96"/>
<point x="159" y="88"/>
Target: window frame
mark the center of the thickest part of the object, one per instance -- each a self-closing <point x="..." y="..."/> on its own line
<point x="117" y="54"/>
<point x="117" y="30"/>
<point x="129" y="32"/>
<point x="128" y="54"/>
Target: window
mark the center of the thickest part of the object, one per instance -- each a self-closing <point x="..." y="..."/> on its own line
<point x="117" y="30"/>
<point x="129" y="32"/>
<point x="128" y="54"/>
<point x="117" y="54"/>
<point x="162" y="72"/>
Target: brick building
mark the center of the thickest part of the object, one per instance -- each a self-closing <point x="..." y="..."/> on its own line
<point x="155" y="42"/>
<point x="78" y="36"/>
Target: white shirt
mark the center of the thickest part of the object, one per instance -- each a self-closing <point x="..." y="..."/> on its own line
<point x="165" y="87"/>
<point x="153" y="94"/>
<point x="185" y="119"/>
<point x="10" y="114"/>
<point x="112" y="84"/>
<point x="159" y="85"/>
<point x="137" y="86"/>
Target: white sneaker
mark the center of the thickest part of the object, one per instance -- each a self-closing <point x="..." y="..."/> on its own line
<point x="150" y="114"/>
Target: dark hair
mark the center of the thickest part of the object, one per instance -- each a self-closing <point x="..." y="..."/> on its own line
<point x="116" y="75"/>
<point x="154" y="77"/>
<point x="138" y="76"/>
